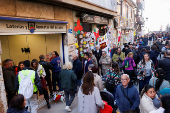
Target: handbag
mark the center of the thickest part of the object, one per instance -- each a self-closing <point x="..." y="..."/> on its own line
<point x="129" y="111"/>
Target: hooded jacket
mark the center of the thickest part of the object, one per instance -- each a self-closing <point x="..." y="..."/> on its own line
<point x="14" y="110"/>
<point x="131" y="63"/>
<point x="9" y="79"/>
<point x="56" y="63"/>
<point x="132" y="94"/>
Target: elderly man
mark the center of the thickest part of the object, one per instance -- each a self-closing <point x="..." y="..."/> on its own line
<point x="77" y="68"/>
<point x="98" y="54"/>
<point x="127" y="96"/>
<point x="105" y="60"/>
<point x="93" y="58"/>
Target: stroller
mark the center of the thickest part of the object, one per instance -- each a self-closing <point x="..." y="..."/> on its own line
<point x="109" y="98"/>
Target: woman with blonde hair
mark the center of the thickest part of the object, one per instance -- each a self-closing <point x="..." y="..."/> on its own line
<point x="129" y="64"/>
<point x="68" y="79"/>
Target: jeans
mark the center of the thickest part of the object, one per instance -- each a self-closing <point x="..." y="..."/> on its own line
<point x="77" y="83"/>
<point x="32" y="103"/>
<point x="48" y="79"/>
<point x="71" y="93"/>
<point x="45" y="92"/>
<point x="54" y="80"/>
<point x="144" y="82"/>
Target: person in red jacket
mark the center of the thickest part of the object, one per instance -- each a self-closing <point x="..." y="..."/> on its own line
<point x="19" y="68"/>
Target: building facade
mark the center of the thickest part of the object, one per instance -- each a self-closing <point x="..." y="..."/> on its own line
<point x="126" y="11"/>
<point x="31" y="28"/>
<point x="140" y="21"/>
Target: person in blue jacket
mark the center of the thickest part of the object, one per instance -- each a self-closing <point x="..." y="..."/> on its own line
<point x="86" y="62"/>
<point x="56" y="63"/>
<point x="127" y="96"/>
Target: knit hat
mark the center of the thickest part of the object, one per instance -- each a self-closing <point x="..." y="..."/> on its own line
<point x="165" y="91"/>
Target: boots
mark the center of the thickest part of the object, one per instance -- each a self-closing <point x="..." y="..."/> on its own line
<point x="48" y="104"/>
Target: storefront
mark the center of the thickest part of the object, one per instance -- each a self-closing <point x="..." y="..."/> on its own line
<point x="94" y="30"/>
<point x="26" y="39"/>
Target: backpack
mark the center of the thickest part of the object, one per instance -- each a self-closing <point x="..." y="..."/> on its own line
<point x="110" y="84"/>
<point x="127" y="64"/>
<point x="26" y="86"/>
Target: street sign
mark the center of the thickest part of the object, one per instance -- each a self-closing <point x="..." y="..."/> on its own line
<point x="70" y="31"/>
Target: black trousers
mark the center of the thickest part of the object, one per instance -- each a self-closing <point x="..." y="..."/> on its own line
<point x="10" y="96"/>
<point x="130" y="73"/>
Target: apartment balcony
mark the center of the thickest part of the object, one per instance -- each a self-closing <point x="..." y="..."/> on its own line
<point x="140" y="20"/>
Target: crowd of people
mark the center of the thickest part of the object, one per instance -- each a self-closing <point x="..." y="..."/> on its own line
<point x="146" y="61"/>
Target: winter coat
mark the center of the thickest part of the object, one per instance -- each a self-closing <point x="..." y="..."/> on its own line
<point x="68" y="79"/>
<point x="77" y="68"/>
<point x="85" y="67"/>
<point x="165" y="84"/>
<point x="160" y="110"/>
<point x="98" y="81"/>
<point x="36" y="81"/>
<point x="14" y="110"/>
<point x="89" y="103"/>
<point x="9" y="79"/>
<point x="140" y="48"/>
<point x="131" y="63"/>
<point x="159" y="45"/>
<point x="141" y="68"/>
<point x="97" y="55"/>
<point x="56" y="63"/>
<point x="134" y="54"/>
<point x="156" y="53"/>
<point x="146" y="104"/>
<point x="94" y="60"/>
<point x="152" y="56"/>
<point x="165" y="65"/>
<point x="116" y="56"/>
<point x="47" y="66"/>
<point x="132" y="94"/>
<point x="127" y="51"/>
<point x="105" y="61"/>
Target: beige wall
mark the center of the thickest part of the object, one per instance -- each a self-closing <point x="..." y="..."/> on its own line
<point x="38" y="44"/>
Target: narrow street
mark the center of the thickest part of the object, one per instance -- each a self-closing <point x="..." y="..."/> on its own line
<point x="59" y="107"/>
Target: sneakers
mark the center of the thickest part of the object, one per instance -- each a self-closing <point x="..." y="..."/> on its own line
<point x="68" y="108"/>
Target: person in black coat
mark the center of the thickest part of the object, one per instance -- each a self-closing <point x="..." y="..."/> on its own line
<point x="127" y="50"/>
<point x="9" y="79"/>
<point x="47" y="66"/>
<point x="98" y="54"/>
<point x="165" y="65"/>
<point x="17" y="104"/>
<point x="77" y="68"/>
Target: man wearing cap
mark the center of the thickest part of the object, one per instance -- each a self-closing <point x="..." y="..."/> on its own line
<point x="151" y="54"/>
<point x="93" y="58"/>
<point x="127" y="50"/>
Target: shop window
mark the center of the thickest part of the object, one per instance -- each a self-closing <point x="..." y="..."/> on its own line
<point x="87" y="27"/>
<point x="102" y="29"/>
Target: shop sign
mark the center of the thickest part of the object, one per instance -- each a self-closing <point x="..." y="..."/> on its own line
<point x="30" y="27"/>
<point x="95" y="19"/>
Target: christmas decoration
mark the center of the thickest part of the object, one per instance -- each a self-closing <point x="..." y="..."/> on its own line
<point x="78" y="27"/>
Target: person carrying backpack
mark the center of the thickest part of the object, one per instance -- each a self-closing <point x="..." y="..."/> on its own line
<point x="27" y="83"/>
<point x="129" y="64"/>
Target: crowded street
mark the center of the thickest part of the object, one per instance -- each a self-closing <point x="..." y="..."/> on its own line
<point x="84" y="56"/>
